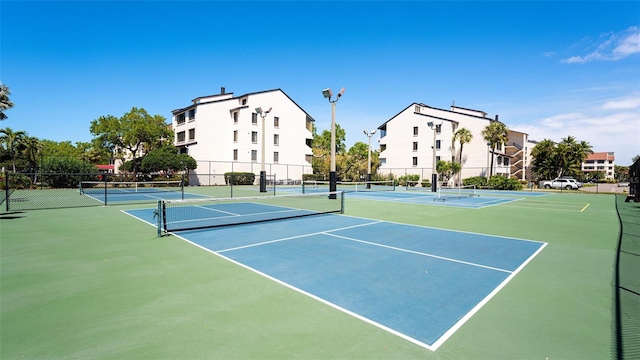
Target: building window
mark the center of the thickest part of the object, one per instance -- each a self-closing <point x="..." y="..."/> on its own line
<point x="437" y="159"/>
<point x="438" y="144"/>
<point x="499" y="146"/>
<point x="506" y="162"/>
<point x="276" y="122"/>
<point x="276" y="157"/>
<point x="438" y="128"/>
<point x="180" y="136"/>
<point x="415" y="131"/>
<point x="192" y="114"/>
<point x="276" y="139"/>
<point x="244" y="101"/>
<point x="254" y="137"/>
<point x="235" y="154"/>
<point x="192" y="134"/>
<point x="383" y="161"/>
<point x="415" y="146"/>
<point x="235" y="117"/>
<point x="235" y="135"/>
<point x="415" y="161"/>
<point x="254" y="119"/>
<point x="180" y="119"/>
<point x="254" y="155"/>
<point x="499" y="160"/>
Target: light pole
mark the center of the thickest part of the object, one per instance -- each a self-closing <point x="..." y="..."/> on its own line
<point x="434" y="174"/>
<point x="369" y="135"/>
<point x="327" y="93"/>
<point x="263" y="172"/>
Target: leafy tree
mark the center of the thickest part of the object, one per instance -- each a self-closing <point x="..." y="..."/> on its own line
<point x="495" y="134"/>
<point x="543" y="159"/>
<point x="67" y="172"/>
<point x="5" y="103"/>
<point x="167" y="159"/>
<point x="133" y="133"/>
<point x="12" y="143"/>
<point x="446" y="169"/>
<point x="551" y="160"/>
<point x="321" y="148"/>
<point x="31" y="148"/>
<point x="354" y="164"/>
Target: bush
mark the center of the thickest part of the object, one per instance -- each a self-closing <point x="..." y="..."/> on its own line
<point x="311" y="177"/>
<point x="478" y="181"/>
<point x="239" y="178"/>
<point x="425" y="183"/>
<point x="499" y="182"/>
<point x="411" y="178"/>
<point x="16" y="181"/>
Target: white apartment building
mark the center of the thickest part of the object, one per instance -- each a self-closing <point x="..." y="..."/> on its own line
<point x="407" y="144"/>
<point x="603" y="162"/>
<point x="223" y="133"/>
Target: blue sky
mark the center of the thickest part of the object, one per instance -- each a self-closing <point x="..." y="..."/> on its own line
<point x="550" y="69"/>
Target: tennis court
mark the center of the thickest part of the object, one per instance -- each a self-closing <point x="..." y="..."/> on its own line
<point x="416" y="282"/>
<point x="390" y="278"/>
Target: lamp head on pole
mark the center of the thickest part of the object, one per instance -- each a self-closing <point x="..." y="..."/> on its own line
<point x="259" y="110"/>
<point x="430" y="124"/>
<point x="340" y="93"/>
<point x="268" y="111"/>
<point x="327" y="93"/>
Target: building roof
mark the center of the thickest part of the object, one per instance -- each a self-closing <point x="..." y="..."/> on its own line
<point x="176" y="111"/>
<point x="445" y="110"/>
<point x="601" y="156"/>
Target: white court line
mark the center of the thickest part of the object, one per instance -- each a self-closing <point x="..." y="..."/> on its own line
<point x="420" y="253"/>
<point x="296" y="237"/>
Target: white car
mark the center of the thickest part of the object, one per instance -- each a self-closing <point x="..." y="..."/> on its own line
<point x="562" y="183"/>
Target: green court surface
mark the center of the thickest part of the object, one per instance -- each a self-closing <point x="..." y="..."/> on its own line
<point x="96" y="283"/>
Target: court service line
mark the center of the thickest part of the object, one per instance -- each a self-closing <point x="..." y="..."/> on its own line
<point x="296" y="237"/>
<point x="585" y="207"/>
<point x="420" y="253"/>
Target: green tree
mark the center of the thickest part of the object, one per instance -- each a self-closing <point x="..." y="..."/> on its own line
<point x="167" y="159"/>
<point x="543" y="156"/>
<point x="551" y="160"/>
<point x="354" y="163"/>
<point x="12" y="143"/>
<point x="463" y="136"/>
<point x="446" y="169"/>
<point x="495" y="134"/>
<point x="321" y="148"/>
<point x="134" y="133"/>
<point x="5" y="103"/>
<point x="31" y="148"/>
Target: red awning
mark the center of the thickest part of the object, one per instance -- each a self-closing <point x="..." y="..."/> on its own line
<point x="104" y="167"/>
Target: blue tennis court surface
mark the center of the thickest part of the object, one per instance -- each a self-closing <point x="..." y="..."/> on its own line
<point x="476" y="200"/>
<point x="417" y="282"/>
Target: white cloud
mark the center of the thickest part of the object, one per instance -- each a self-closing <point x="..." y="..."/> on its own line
<point x="626" y="103"/>
<point x="617" y="131"/>
<point x="615" y="47"/>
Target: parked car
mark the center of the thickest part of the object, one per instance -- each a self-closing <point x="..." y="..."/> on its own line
<point x="562" y="183"/>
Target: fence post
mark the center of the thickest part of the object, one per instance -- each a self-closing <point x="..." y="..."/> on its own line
<point x="6" y="190"/>
<point x="104" y="177"/>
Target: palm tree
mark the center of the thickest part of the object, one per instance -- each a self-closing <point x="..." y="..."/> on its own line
<point x="5" y="103"/>
<point x="12" y="141"/>
<point x="32" y="147"/>
<point x="542" y="162"/>
<point x="495" y="133"/>
<point x="463" y="135"/>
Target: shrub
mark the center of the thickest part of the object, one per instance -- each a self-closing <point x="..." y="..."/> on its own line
<point x="478" y="181"/>
<point x="239" y="178"/>
<point x="499" y="182"/>
<point x="411" y="178"/>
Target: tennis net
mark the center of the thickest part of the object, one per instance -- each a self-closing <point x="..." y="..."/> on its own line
<point x="452" y="193"/>
<point x="311" y="186"/>
<point x="129" y="187"/>
<point x="177" y="215"/>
